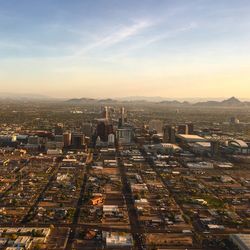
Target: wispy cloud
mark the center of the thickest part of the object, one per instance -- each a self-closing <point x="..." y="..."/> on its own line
<point x="119" y="36"/>
<point x="171" y="33"/>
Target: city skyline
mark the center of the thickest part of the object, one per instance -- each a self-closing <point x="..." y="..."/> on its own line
<point x="103" y="49"/>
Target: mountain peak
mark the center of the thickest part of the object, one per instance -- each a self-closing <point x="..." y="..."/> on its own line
<point x="232" y="100"/>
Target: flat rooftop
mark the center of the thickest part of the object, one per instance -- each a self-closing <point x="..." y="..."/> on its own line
<point x="190" y="137"/>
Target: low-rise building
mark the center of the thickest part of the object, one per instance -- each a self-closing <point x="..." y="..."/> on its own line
<point x="118" y="239"/>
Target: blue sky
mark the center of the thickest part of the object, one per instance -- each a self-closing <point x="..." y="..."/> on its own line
<point x="111" y="48"/>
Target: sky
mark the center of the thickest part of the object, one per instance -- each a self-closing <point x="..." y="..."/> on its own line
<point x="114" y="48"/>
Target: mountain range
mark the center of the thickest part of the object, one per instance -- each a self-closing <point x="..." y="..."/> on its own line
<point x="231" y="102"/>
<point x="156" y="100"/>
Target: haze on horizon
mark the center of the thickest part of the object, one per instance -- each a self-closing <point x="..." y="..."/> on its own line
<point x="168" y="48"/>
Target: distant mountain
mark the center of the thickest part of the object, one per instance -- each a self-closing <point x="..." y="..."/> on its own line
<point x="231" y="102"/>
<point x="175" y="103"/>
<point x="108" y="100"/>
<point x="23" y="96"/>
<point x="80" y="100"/>
<point x="162" y="99"/>
<point x="88" y="100"/>
<point x="208" y="103"/>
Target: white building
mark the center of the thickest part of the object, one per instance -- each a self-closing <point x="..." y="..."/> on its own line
<point x="111" y="139"/>
<point x="200" y="165"/>
<point x="54" y="152"/>
<point x="118" y="239"/>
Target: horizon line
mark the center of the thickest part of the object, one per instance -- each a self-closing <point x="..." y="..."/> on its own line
<point x="44" y="96"/>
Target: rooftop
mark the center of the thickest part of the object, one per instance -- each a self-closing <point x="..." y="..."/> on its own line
<point x="190" y="137"/>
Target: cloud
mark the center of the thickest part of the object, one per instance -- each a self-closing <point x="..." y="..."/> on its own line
<point x="125" y="33"/>
<point x="118" y="36"/>
<point x="151" y="40"/>
<point x="172" y="33"/>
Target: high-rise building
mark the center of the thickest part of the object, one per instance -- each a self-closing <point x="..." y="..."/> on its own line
<point x="124" y="135"/>
<point x="67" y="139"/>
<point x="190" y="128"/>
<point x="105" y="113"/>
<point x="77" y="140"/>
<point x="122" y="116"/>
<point x="122" y="119"/>
<point x="103" y="129"/>
<point x="169" y="134"/>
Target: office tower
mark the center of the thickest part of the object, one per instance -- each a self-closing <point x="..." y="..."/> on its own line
<point x="169" y="134"/>
<point x="103" y="129"/>
<point x="78" y="140"/>
<point x="124" y="135"/>
<point x="67" y="139"/>
<point x="190" y="128"/>
<point x="122" y="121"/>
<point x="105" y="113"/>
